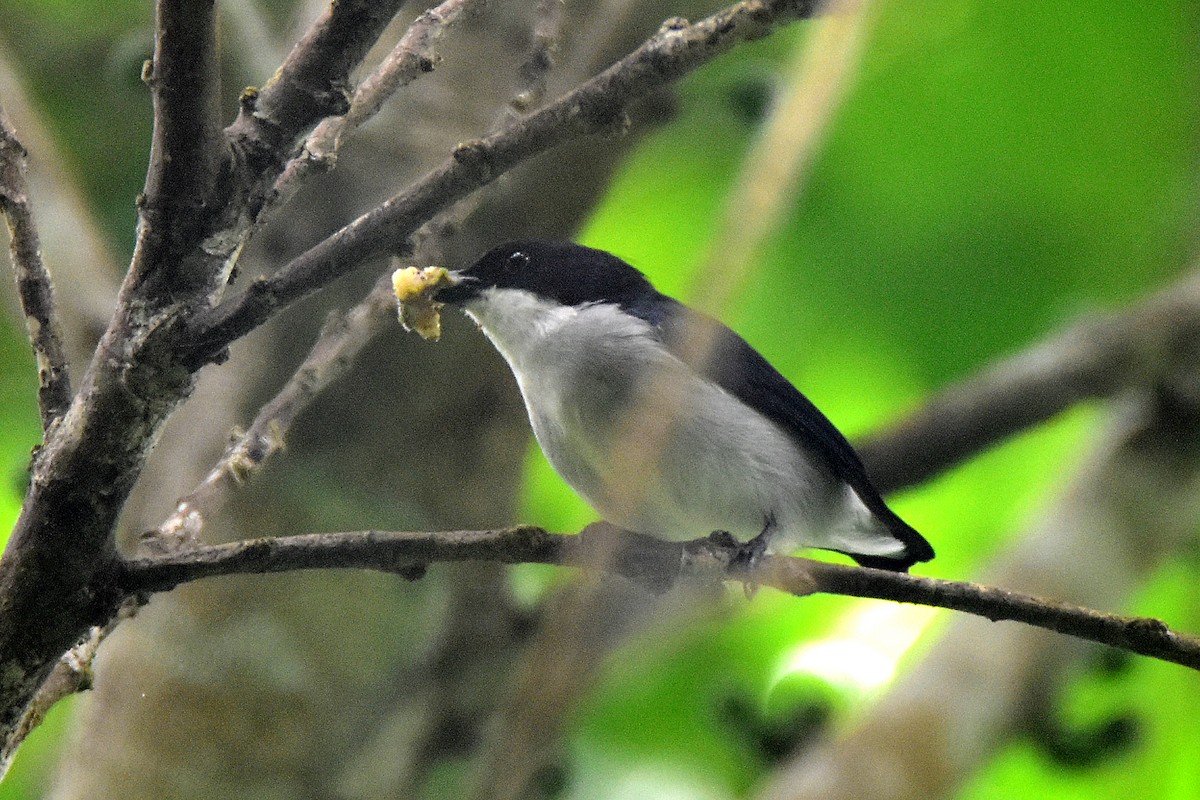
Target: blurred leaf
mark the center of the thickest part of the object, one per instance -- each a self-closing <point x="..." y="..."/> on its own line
<point x="33" y="768"/>
<point x="82" y="63"/>
<point x="18" y="419"/>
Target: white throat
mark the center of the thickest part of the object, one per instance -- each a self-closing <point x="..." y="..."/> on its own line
<point x="518" y="322"/>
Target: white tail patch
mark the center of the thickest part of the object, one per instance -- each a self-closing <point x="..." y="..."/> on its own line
<point x="857" y="530"/>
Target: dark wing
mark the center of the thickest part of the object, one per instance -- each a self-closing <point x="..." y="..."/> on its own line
<point x="738" y="368"/>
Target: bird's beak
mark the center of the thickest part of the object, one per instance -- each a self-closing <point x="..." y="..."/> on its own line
<point x="456" y="287"/>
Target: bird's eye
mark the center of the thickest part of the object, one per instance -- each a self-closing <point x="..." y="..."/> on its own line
<point x="516" y="261"/>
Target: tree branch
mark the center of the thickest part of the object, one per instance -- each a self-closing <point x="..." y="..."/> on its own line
<point x="312" y="83"/>
<point x="654" y="563"/>
<point x="414" y="55"/>
<point x="186" y="154"/>
<point x="677" y="49"/>
<point x="342" y="338"/>
<point x="1092" y="359"/>
<point x="34" y="288"/>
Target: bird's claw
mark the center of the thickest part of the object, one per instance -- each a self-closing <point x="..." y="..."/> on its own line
<point x="740" y="558"/>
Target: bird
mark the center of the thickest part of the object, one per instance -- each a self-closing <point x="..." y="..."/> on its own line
<point x="664" y="420"/>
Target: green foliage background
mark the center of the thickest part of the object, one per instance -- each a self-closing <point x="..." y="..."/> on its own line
<point x="998" y="170"/>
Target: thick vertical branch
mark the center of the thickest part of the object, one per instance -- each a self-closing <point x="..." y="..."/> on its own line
<point x="56" y="575"/>
<point x="34" y="289"/>
<point x="185" y="154"/>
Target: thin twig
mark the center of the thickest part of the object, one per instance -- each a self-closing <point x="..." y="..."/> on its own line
<point x="595" y="105"/>
<point x="342" y="338"/>
<point x="34" y="287"/>
<point x="547" y="28"/>
<point x="413" y="56"/>
<point x="655" y="563"/>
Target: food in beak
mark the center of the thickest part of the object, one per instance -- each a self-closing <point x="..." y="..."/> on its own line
<point x="415" y="288"/>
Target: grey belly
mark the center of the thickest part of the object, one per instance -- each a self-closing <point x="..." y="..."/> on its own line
<point x="678" y="458"/>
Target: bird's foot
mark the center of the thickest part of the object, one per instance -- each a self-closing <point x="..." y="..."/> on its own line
<point x="740" y="558"/>
<point x="750" y="554"/>
<point x="717" y="550"/>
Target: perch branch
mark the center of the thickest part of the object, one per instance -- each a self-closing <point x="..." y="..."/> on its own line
<point x="34" y="288"/>
<point x="595" y="105"/>
<point x="652" y="562"/>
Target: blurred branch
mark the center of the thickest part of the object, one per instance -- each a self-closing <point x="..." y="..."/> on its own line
<point x="34" y="288"/>
<point x="1095" y="358"/>
<point x="85" y="268"/>
<point x="595" y="105"/>
<point x="772" y="175"/>
<point x="1131" y="508"/>
<point x="654" y="563"/>
<point x="547" y="28"/>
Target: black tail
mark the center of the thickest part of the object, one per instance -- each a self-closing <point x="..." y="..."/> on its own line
<point x="916" y="548"/>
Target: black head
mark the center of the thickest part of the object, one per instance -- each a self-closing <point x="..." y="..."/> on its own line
<point x="568" y="273"/>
